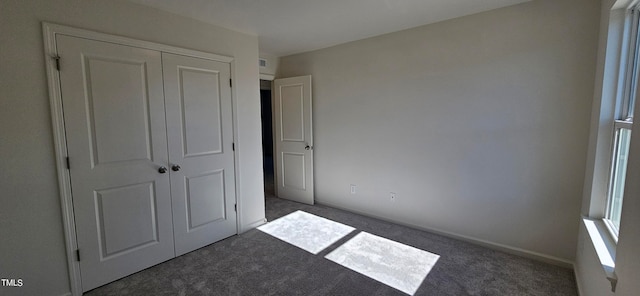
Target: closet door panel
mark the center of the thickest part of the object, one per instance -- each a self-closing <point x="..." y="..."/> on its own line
<point x="200" y="136"/>
<point x="115" y="128"/>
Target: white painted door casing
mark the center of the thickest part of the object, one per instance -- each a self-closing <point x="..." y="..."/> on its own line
<point x="294" y="139"/>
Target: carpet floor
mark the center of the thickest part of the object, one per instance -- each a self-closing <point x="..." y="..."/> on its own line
<point x="255" y="263"/>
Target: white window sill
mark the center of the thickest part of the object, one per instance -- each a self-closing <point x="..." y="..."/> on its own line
<point x="605" y="247"/>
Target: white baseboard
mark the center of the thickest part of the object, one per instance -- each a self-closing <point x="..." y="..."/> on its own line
<point x="492" y="245"/>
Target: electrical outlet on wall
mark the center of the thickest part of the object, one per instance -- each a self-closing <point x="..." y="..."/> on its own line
<point x="353" y="189"/>
<point x="392" y="196"/>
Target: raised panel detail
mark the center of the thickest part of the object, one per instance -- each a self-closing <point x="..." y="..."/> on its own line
<point x="205" y="199"/>
<point x="201" y="118"/>
<point x="127" y="218"/>
<point x="293" y="170"/>
<point x="292" y="110"/>
<point x="117" y="101"/>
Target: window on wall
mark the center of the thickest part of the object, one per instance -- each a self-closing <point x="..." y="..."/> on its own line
<point x="623" y="124"/>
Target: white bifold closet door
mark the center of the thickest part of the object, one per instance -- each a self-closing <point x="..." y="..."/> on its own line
<point x="149" y="138"/>
<point x="199" y="118"/>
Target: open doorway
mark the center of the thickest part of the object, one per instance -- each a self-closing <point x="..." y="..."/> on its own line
<point x="267" y="137"/>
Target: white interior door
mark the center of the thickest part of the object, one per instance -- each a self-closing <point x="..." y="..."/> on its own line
<point x="200" y="135"/>
<point x="116" y="137"/>
<point x="294" y="139"/>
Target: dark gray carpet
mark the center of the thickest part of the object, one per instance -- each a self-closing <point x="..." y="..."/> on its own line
<point x="255" y="263"/>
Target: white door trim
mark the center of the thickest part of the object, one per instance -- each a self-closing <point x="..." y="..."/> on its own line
<point x="50" y="31"/>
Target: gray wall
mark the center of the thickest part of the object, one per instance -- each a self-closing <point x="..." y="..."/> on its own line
<point x="31" y="234"/>
<point x="479" y="124"/>
<point x="272" y="64"/>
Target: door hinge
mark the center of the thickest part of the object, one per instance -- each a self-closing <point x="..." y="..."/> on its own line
<point x="230" y="82"/>
<point x="235" y="207"/>
<point x="233" y="146"/>
<point x="78" y="255"/>
<point x="57" y="58"/>
<point x="68" y="163"/>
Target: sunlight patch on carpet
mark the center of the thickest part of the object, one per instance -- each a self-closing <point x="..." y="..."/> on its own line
<point x="306" y="231"/>
<point x="394" y="264"/>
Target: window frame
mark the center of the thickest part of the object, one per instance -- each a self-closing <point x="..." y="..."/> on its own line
<point x="611" y="79"/>
<point x="623" y="110"/>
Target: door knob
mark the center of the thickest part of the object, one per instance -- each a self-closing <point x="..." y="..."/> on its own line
<point x="307" y="147"/>
<point x="162" y="170"/>
<point x="175" y="168"/>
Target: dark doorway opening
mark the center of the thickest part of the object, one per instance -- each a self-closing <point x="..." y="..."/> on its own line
<point x="267" y="137"/>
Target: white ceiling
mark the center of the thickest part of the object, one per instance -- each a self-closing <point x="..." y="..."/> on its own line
<point x="291" y="26"/>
